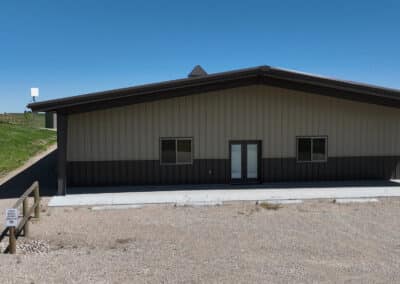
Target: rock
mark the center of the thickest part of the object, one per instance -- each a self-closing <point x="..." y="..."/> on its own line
<point x="32" y="246"/>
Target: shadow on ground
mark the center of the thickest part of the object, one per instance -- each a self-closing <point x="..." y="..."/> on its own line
<point x="43" y="171"/>
<point x="273" y="185"/>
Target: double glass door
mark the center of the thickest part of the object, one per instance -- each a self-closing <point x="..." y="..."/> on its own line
<point x="245" y="159"/>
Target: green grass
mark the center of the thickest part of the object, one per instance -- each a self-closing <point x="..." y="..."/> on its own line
<point x="28" y="119"/>
<point x="18" y="143"/>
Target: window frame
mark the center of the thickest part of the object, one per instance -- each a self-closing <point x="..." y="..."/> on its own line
<point x="325" y="137"/>
<point x="176" y="151"/>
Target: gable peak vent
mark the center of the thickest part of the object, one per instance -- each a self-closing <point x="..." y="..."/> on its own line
<point x="197" y="71"/>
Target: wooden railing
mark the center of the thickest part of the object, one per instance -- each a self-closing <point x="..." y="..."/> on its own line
<point x="23" y="225"/>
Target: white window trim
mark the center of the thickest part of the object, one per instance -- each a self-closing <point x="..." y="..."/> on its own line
<point x="312" y="141"/>
<point x="176" y="151"/>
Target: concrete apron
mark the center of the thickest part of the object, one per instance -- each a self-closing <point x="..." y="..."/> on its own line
<point x="210" y="197"/>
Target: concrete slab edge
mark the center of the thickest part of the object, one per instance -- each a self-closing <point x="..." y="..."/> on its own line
<point x="115" y="207"/>
<point x="355" y="200"/>
<point x="282" y="201"/>
<point x="217" y="196"/>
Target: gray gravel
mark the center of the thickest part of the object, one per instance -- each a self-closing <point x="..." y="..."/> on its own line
<point x="314" y="242"/>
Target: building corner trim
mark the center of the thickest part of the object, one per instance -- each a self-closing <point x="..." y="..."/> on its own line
<point x="62" y="128"/>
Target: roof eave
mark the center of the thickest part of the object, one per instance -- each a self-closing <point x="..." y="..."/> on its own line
<point x="262" y="74"/>
<point x="219" y="78"/>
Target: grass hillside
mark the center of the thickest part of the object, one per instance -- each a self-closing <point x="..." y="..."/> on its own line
<point x="36" y="120"/>
<point x="19" y="141"/>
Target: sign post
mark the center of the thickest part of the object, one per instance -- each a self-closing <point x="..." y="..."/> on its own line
<point x="13" y="240"/>
<point x="11" y="223"/>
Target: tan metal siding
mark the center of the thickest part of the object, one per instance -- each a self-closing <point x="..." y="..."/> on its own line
<point x="274" y="115"/>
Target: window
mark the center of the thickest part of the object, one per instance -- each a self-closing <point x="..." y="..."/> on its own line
<point x="168" y="151"/>
<point x="176" y="151"/>
<point x="311" y="149"/>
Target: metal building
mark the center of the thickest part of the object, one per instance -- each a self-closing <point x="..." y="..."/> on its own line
<point x="251" y="125"/>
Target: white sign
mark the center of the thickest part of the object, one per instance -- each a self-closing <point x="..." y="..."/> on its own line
<point x="34" y="92"/>
<point x="11" y="217"/>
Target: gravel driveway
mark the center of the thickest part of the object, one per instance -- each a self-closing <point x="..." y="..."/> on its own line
<point x="317" y="241"/>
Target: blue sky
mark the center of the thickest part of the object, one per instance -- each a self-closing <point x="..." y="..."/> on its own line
<point x="73" y="47"/>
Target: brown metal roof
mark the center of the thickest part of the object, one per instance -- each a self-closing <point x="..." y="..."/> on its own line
<point x="258" y="75"/>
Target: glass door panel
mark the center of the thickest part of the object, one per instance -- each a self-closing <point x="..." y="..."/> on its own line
<point x="236" y="161"/>
<point x="252" y="161"/>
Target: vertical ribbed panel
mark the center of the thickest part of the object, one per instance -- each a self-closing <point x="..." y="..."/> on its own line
<point x="275" y="116"/>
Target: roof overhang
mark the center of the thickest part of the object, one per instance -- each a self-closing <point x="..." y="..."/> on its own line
<point x="225" y="80"/>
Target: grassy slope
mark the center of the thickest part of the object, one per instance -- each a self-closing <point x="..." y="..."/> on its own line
<point x="18" y="143"/>
<point x="27" y="119"/>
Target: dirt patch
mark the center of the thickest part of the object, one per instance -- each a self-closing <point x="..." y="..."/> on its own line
<point x="270" y="206"/>
<point x="124" y="241"/>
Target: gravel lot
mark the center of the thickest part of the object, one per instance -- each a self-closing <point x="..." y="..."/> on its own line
<point x="317" y="241"/>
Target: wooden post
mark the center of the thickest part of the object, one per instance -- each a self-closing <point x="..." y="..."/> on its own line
<point x="37" y="201"/>
<point x="13" y="240"/>
<point x="25" y="210"/>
